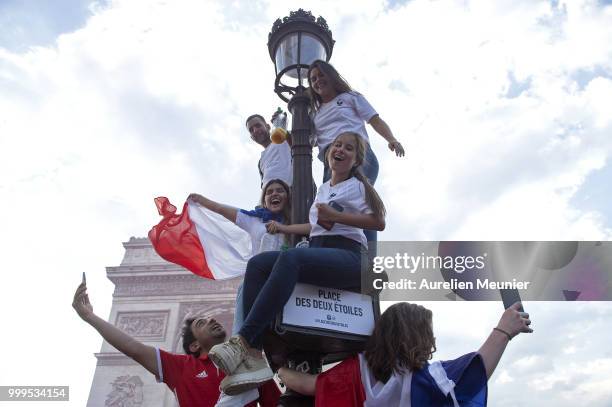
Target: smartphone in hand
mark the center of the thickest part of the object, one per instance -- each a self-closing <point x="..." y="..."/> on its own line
<point x="509" y="297"/>
<point x="328" y="225"/>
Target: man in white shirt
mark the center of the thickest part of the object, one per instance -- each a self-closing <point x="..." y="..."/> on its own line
<point x="275" y="161"/>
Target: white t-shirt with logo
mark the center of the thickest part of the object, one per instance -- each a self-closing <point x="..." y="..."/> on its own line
<point x="261" y="240"/>
<point x="348" y="111"/>
<point x="275" y="163"/>
<point x="349" y="194"/>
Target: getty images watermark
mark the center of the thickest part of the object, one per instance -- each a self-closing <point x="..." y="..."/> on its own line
<point x="476" y="271"/>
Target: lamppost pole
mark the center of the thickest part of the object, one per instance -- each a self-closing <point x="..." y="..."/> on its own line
<point x="301" y="151"/>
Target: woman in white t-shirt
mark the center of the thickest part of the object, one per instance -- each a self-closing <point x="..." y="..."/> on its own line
<point x="337" y="109"/>
<point x="275" y="207"/>
<point x="343" y="207"/>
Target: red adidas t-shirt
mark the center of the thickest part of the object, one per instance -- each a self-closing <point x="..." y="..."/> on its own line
<point x="195" y="381"/>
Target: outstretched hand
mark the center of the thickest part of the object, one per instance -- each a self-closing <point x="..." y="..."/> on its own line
<point x="397" y="147"/>
<point x="81" y="302"/>
<point x="514" y="322"/>
<point x="197" y="198"/>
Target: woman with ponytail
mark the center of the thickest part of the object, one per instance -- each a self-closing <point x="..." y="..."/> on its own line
<point x="343" y="207"/>
<point x="338" y="109"/>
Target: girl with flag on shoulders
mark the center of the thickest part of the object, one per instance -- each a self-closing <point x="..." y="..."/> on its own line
<point x="394" y="369"/>
<point x="275" y="201"/>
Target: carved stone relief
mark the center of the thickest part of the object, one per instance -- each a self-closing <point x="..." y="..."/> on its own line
<point x="186" y="284"/>
<point x="127" y="392"/>
<point x="148" y="325"/>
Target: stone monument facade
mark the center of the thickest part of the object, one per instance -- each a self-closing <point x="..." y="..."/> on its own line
<point x="151" y="301"/>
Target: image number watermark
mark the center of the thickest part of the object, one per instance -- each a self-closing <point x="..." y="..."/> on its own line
<point x="34" y="393"/>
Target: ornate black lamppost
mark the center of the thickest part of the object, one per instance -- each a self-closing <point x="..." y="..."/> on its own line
<point x="294" y="43"/>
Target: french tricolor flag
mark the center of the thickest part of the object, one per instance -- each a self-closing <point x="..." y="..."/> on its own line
<point x="200" y="240"/>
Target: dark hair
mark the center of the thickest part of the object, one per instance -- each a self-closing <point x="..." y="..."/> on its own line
<point x="287" y="207"/>
<point x="402" y="340"/>
<point x="372" y="198"/>
<point x="188" y="337"/>
<point x="254" y="116"/>
<point x="339" y="83"/>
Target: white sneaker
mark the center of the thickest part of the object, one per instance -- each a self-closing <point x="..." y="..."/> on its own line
<point x="252" y="373"/>
<point x="227" y="356"/>
<point x="238" y="400"/>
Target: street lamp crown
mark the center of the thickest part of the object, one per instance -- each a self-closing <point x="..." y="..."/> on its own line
<point x="300" y="15"/>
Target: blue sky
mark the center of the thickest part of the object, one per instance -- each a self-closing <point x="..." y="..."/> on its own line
<point x="503" y="108"/>
<point x="38" y="23"/>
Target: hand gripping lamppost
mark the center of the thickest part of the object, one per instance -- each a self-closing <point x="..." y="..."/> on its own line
<point x="294" y="43"/>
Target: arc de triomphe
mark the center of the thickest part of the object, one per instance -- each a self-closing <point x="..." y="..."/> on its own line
<point x="151" y="300"/>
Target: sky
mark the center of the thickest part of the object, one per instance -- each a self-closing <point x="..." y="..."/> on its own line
<point x="502" y="107"/>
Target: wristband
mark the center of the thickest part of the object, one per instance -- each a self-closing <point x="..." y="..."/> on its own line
<point x="504" y="332"/>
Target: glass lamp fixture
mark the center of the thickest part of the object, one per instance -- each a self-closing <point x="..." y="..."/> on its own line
<point x="294" y="43"/>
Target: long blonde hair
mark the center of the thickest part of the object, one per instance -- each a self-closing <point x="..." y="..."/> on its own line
<point x="372" y="198"/>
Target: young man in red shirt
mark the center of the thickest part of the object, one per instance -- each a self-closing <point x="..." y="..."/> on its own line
<point x="192" y="377"/>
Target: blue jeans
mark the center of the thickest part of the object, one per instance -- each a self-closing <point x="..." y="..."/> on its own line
<point x="239" y="312"/>
<point x="369" y="168"/>
<point x="271" y="277"/>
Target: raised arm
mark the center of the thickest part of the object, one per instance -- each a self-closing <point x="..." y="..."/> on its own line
<point x="141" y="353"/>
<point x="384" y="130"/>
<point x="228" y="212"/>
<point x="511" y="324"/>
<point x="303" y="383"/>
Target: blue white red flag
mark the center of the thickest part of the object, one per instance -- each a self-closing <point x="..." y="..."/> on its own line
<point x="200" y="240"/>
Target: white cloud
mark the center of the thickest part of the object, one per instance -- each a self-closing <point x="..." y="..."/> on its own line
<point x="504" y="377"/>
<point x="149" y="98"/>
<point x="527" y="362"/>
